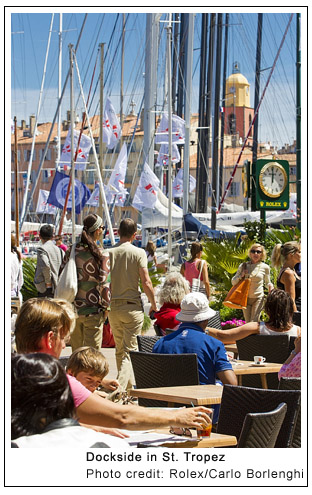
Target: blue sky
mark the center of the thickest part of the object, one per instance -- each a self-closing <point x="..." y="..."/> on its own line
<point x="28" y="50"/>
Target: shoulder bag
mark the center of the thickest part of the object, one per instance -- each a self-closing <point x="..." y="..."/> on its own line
<point x="196" y="281"/>
<point x="237" y="296"/>
<point x="67" y="286"/>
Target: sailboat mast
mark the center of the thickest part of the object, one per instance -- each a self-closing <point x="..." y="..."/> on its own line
<point x="187" y="99"/>
<point x="100" y="209"/>
<point x="223" y="103"/>
<point x="73" y="216"/>
<point x="169" y="35"/>
<point x="298" y="123"/>
<point x="16" y="182"/>
<point x="122" y="71"/>
<point x="59" y="144"/>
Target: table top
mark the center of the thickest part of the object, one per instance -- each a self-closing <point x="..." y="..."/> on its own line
<point x="249" y="368"/>
<point x="215" y="440"/>
<point x="191" y="394"/>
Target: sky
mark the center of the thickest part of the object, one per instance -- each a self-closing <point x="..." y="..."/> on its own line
<point x="29" y="38"/>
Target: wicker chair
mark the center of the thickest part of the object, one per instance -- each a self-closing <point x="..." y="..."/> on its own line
<point x="158" y="330"/>
<point x="292" y="383"/>
<point x="163" y="370"/>
<point x="260" y="430"/>
<point x="215" y="321"/>
<point x="275" y="348"/>
<point x="238" y="401"/>
<point x="146" y="342"/>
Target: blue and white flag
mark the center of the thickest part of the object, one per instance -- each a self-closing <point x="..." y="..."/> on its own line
<point x="59" y="190"/>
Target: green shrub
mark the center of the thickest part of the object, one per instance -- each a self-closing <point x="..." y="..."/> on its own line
<point x="28" y="289"/>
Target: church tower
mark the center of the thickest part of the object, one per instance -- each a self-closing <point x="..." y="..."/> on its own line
<point x="238" y="113"/>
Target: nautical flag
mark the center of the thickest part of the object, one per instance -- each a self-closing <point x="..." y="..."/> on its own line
<point x="48" y="173"/>
<point x="221" y="109"/>
<point x="42" y="205"/>
<point x="111" y="126"/>
<point x="83" y="151"/>
<point x="178" y="130"/>
<point x="146" y="193"/>
<point x="59" y="190"/>
<point x="177" y="186"/>
<point x="117" y="179"/>
<point x="164" y="154"/>
<point x="94" y="198"/>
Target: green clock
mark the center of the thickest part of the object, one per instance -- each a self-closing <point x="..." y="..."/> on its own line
<point x="271" y="185"/>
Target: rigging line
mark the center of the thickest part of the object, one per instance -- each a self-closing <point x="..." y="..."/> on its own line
<point x="36" y="121"/>
<point x="255" y="116"/>
<point x="50" y="133"/>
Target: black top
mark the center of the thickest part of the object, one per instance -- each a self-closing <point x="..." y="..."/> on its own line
<point x="281" y="286"/>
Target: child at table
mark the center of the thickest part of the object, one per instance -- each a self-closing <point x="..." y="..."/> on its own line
<point x="89" y="366"/>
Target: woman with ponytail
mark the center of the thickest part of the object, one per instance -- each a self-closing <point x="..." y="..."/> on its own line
<point x="287" y="256"/>
<point x="195" y="267"/>
<point x="17" y="279"/>
<point x="92" y="298"/>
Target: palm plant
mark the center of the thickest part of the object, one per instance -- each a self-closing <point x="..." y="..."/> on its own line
<point x="28" y="289"/>
<point x="223" y="259"/>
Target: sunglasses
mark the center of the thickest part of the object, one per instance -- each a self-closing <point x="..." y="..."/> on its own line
<point x="254" y="251"/>
<point x="102" y="227"/>
<point x="185" y="432"/>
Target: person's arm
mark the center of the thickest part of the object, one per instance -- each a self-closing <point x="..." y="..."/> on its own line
<point x="182" y="269"/>
<point x="292" y="365"/>
<point x="96" y="411"/>
<point x="267" y="279"/>
<point x="109" y="431"/>
<point x="239" y="275"/>
<point x="233" y="334"/>
<point x="110" y="384"/>
<point x="227" y="377"/>
<point x="206" y="279"/>
<point x="45" y="267"/>
<point x="148" y="287"/>
<point x="288" y="279"/>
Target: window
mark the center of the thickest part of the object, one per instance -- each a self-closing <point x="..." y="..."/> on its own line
<point x="232" y="124"/>
<point x="133" y="147"/>
<point x="292" y="170"/>
<point x="48" y="155"/>
<point x="234" y="189"/>
<point x="209" y="190"/>
<point x="90" y="177"/>
<point x="250" y="120"/>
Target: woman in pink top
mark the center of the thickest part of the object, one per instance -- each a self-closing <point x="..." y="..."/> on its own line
<point x="191" y="269"/>
<point x="292" y="366"/>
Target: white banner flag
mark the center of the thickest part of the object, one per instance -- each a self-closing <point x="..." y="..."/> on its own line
<point x="94" y="198"/>
<point x="42" y="205"/>
<point x="111" y="126"/>
<point x="117" y="179"/>
<point x="164" y="154"/>
<point x="83" y="151"/>
<point x="146" y="193"/>
<point x="178" y="130"/>
<point x="177" y="185"/>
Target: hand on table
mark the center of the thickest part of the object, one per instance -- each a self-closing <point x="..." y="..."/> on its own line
<point x="192" y="417"/>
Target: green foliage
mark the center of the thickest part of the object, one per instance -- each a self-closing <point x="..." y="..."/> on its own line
<point x="226" y="313"/>
<point x="29" y="290"/>
<point x="223" y="259"/>
<point x="155" y="275"/>
<point x="146" y="324"/>
<point x="256" y="231"/>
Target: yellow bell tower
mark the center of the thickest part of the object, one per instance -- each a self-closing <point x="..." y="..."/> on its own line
<point x="237" y="89"/>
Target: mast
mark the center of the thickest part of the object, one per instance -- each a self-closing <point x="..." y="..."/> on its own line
<point x="215" y="154"/>
<point x="298" y="122"/>
<point x="71" y="66"/>
<point x="169" y="33"/>
<point x="150" y="90"/>
<point x="187" y="99"/>
<point x="122" y="70"/>
<point x="59" y="92"/>
<point x="16" y="183"/>
<point x="208" y="107"/>
<point x="201" y="171"/>
<point x="100" y="209"/>
<point x="223" y="104"/>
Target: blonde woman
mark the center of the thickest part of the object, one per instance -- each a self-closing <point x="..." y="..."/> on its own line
<point x="191" y="269"/>
<point x="287" y="256"/>
<point x="259" y="274"/>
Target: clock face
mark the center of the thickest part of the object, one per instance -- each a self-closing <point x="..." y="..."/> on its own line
<point x="273" y="179"/>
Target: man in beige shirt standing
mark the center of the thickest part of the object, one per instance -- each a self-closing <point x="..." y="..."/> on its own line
<point x="128" y="265"/>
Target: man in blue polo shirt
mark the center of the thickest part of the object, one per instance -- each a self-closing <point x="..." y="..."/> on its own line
<point x="213" y="365"/>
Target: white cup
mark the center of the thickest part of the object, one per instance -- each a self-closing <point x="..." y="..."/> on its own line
<point x="230" y="355"/>
<point x="259" y="359"/>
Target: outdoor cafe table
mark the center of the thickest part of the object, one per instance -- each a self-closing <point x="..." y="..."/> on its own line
<point x="215" y="440"/>
<point x="249" y="368"/>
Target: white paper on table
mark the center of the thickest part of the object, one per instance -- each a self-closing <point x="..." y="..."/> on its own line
<point x="149" y="436"/>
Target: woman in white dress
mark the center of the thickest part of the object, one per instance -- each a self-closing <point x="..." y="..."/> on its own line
<point x="17" y="278"/>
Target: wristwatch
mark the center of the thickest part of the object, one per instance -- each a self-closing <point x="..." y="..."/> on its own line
<point x="293" y="352"/>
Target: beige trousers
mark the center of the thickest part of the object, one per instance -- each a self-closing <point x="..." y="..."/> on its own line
<point x="88" y="331"/>
<point x="254" y="308"/>
<point x="126" y="321"/>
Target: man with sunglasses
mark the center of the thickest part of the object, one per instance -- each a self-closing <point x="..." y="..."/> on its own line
<point x="259" y="274"/>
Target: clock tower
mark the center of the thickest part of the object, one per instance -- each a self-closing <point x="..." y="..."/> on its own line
<point x="237" y="109"/>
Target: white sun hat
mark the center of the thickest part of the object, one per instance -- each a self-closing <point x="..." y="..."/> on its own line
<point x="195" y="307"/>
